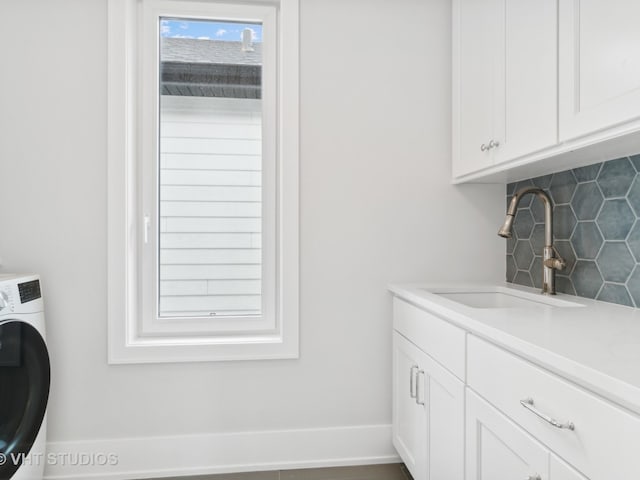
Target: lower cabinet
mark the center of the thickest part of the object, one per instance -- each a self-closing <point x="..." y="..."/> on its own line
<point x="558" y="470"/>
<point x="497" y="449"/>
<point x="428" y="414"/>
<point x="500" y="418"/>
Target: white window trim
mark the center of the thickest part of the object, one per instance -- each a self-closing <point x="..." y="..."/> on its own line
<point x="125" y="343"/>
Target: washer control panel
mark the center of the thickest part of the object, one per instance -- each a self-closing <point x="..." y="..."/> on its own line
<point x="20" y="294"/>
<point x="29" y="291"/>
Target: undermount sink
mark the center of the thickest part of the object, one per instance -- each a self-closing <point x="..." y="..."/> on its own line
<point x="501" y="297"/>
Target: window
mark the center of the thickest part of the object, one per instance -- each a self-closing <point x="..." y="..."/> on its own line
<point x="203" y="180"/>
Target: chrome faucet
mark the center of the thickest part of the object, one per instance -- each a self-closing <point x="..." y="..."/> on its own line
<point x="551" y="259"/>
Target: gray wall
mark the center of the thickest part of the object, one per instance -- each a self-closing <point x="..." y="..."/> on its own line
<point x="375" y="202"/>
<point x="596" y="230"/>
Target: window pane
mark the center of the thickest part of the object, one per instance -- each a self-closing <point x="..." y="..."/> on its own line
<point x="210" y="168"/>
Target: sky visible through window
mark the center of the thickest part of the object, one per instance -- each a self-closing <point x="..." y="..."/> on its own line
<point x="208" y="30"/>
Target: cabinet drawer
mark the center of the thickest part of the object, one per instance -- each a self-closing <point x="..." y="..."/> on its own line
<point x="604" y="443"/>
<point x="440" y="339"/>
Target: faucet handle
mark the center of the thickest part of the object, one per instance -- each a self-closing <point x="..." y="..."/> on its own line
<point x="556" y="262"/>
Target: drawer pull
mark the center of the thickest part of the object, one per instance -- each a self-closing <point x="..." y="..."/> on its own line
<point x="412" y="382"/>
<point x="534" y="477"/>
<point x="420" y="372"/>
<point x="528" y="404"/>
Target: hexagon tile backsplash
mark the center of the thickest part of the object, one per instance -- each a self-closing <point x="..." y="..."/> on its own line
<point x="596" y="229"/>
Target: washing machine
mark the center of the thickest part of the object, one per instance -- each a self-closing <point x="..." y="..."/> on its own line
<point x="24" y="378"/>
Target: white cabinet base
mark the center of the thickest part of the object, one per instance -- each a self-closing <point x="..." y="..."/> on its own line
<point x="497" y="449"/>
<point x="428" y="414"/>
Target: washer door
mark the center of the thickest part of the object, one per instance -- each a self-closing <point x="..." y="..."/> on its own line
<point x="24" y="391"/>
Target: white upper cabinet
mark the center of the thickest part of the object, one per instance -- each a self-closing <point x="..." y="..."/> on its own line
<point x="504" y="81"/>
<point x="475" y="80"/>
<point x="543" y="86"/>
<point x="526" y="85"/>
<point x="599" y="65"/>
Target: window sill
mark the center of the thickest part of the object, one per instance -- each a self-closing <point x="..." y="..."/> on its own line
<point x="203" y="349"/>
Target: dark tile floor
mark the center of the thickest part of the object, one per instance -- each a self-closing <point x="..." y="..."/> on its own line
<point x="393" y="471"/>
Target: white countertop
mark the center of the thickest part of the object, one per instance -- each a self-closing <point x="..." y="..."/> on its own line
<point x="594" y="344"/>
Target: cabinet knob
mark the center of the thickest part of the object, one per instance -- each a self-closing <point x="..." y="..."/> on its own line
<point x="533" y="477"/>
<point x="484" y="148"/>
<point x="493" y="144"/>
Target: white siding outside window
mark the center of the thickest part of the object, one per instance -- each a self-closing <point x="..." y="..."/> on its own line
<point x="210" y="207"/>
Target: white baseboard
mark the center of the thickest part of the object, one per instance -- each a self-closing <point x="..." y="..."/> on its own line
<point x="151" y="457"/>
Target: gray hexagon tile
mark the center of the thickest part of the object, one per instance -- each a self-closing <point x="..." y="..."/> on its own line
<point x="596" y="231"/>
<point x="633" y="285"/>
<point x="615" y="262"/>
<point x="523" y="223"/>
<point x="586" y="279"/>
<point x="587" y="201"/>
<point x="633" y="241"/>
<point x="615" y="219"/>
<point x="537" y="210"/>
<point x="563" y="222"/>
<point x="523" y="278"/>
<point x="586" y="240"/>
<point x="537" y="238"/>
<point x="613" y="293"/>
<point x="564" y="285"/>
<point x="615" y="177"/>
<point x="562" y="186"/>
<point x="633" y="197"/>
<point x="523" y="255"/>
<point x="511" y="244"/>
<point x="543" y="181"/>
<point x="511" y="268"/>
<point x="590" y="172"/>
<point x="536" y="272"/>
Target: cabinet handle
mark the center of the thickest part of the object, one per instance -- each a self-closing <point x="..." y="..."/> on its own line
<point x="528" y="404"/>
<point x="412" y="382"/>
<point x="420" y="372"/>
<point x="533" y="477"/>
<point x="484" y="148"/>
<point x="146" y="223"/>
<point x="493" y="144"/>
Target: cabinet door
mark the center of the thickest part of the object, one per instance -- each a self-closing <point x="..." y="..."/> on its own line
<point x="505" y="75"/>
<point x="526" y="89"/>
<point x="445" y="413"/>
<point x="497" y="449"/>
<point x="428" y="414"/>
<point x="558" y="470"/>
<point x="475" y="38"/>
<point x="409" y="418"/>
<point x="599" y="65"/>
